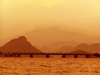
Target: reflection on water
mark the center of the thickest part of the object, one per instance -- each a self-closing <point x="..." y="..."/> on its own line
<point x="49" y="66"/>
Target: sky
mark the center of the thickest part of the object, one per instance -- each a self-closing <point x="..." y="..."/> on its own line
<point x="21" y="16"/>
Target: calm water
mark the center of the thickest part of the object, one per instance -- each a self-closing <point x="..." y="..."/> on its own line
<point x="49" y="66"/>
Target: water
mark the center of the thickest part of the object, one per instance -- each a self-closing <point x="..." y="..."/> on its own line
<point x="49" y="66"/>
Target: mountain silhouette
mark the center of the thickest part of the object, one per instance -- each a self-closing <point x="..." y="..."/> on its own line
<point x="44" y="49"/>
<point x="82" y="46"/>
<point x="65" y="49"/>
<point x="90" y="48"/>
<point x="44" y="37"/>
<point x="19" y="45"/>
<point x="41" y="37"/>
<point x="80" y="52"/>
<point x="57" y="45"/>
<point x="93" y="48"/>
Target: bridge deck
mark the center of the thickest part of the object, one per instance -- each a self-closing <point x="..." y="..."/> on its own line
<point x="48" y="54"/>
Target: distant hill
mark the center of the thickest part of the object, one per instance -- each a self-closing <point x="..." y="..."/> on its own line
<point x="80" y="52"/>
<point x="56" y="38"/>
<point x="19" y="45"/>
<point x="82" y="46"/>
<point x="90" y="48"/>
<point x="44" y="49"/>
<point x="93" y="48"/>
<point x="57" y="45"/>
<point x="65" y="49"/>
<point x="41" y="37"/>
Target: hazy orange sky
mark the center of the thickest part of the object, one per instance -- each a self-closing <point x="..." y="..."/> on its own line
<point x="21" y="16"/>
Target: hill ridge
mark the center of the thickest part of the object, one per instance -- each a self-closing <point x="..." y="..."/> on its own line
<point x="19" y="44"/>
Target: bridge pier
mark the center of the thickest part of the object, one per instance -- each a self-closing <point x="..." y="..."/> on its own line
<point x="19" y="55"/>
<point x="63" y="56"/>
<point x="31" y="55"/>
<point x="47" y="56"/>
<point x="75" y="56"/>
<point x="87" y="55"/>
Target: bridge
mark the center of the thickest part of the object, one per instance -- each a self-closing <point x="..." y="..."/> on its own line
<point x="48" y="54"/>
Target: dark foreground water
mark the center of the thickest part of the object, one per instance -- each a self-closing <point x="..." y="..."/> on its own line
<point x="49" y="66"/>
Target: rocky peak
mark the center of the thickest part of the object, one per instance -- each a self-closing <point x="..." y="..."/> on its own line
<point x="13" y="42"/>
<point x="22" y="38"/>
<point x="19" y="45"/>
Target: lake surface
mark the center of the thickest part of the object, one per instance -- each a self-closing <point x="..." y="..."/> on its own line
<point x="49" y="66"/>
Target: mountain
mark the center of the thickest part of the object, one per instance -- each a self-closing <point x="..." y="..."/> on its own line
<point x="65" y="49"/>
<point x="44" y="49"/>
<point x="45" y="37"/>
<point x="82" y="46"/>
<point x="57" y="45"/>
<point x="80" y="52"/>
<point x="41" y="37"/>
<point x="19" y="45"/>
<point x="94" y="48"/>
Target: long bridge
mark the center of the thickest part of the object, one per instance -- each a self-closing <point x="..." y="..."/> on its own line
<point x="48" y="54"/>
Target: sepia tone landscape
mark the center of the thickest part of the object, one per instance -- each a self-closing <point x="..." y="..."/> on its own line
<point x="49" y="37"/>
